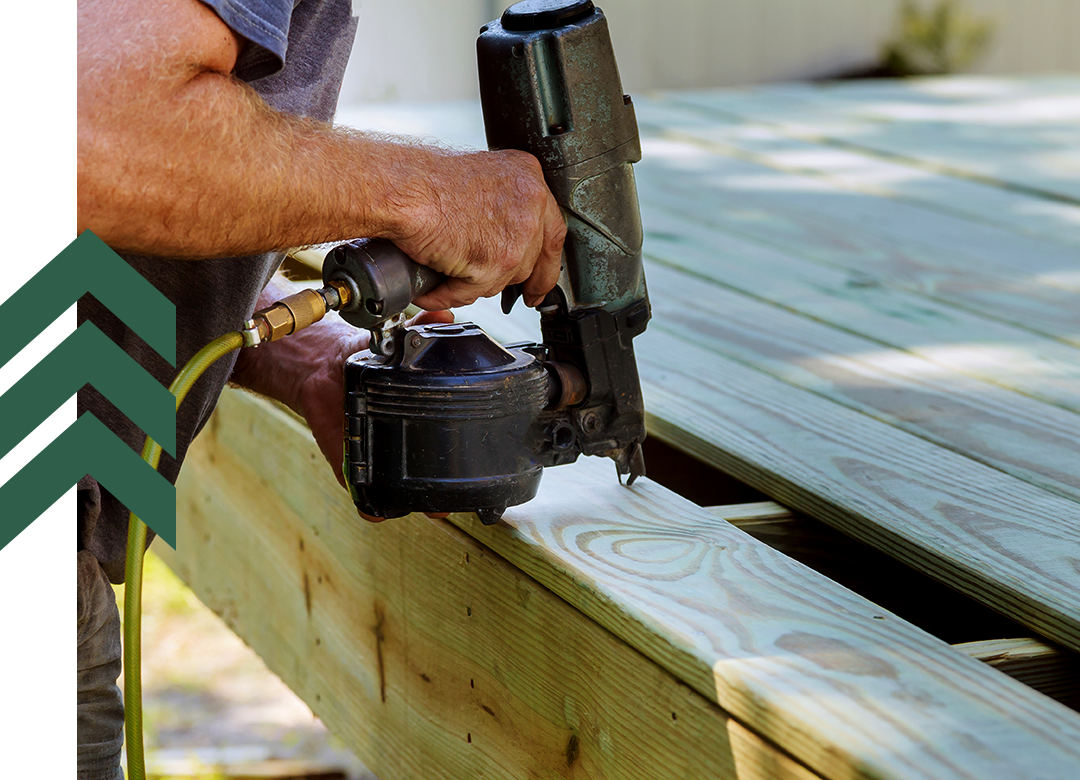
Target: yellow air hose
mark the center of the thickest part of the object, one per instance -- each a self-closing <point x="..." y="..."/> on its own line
<point x="133" y="568"/>
<point x="284" y="318"/>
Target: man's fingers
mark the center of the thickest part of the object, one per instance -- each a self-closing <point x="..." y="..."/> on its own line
<point x="549" y="265"/>
<point x="431" y="318"/>
<point x="451" y="294"/>
<point x="539" y="284"/>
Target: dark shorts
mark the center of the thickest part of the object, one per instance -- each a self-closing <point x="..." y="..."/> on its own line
<point x="101" y="705"/>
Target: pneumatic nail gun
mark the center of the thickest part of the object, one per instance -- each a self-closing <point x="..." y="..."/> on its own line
<point x="442" y="418"/>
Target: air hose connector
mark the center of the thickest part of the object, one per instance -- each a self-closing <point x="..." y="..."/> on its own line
<point x="294" y="313"/>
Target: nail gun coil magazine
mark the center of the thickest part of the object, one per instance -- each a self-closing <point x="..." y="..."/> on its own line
<point x="451" y="413"/>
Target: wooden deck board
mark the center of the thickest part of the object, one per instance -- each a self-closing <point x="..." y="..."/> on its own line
<point x="1022" y="436"/>
<point x="954" y="338"/>
<point x="836" y="228"/>
<point x="997" y="538"/>
<point x="355" y="616"/>
<point x="675" y="163"/>
<point x="867" y="306"/>
<point x="778" y="147"/>
<point x="1026" y="140"/>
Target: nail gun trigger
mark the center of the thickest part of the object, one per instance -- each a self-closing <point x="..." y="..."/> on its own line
<point x="510" y="294"/>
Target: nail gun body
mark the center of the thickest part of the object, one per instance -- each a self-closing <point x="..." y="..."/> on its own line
<point x="443" y="418"/>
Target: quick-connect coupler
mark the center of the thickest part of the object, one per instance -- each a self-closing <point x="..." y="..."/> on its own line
<point x="294" y="313"/>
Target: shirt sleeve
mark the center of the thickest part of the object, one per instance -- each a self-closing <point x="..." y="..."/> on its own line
<point x="265" y="25"/>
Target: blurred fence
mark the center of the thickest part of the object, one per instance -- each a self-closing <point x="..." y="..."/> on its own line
<point x="423" y="49"/>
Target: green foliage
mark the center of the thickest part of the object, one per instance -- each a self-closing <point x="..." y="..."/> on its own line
<point x="942" y="39"/>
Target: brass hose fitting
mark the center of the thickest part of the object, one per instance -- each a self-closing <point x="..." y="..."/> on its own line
<point x="294" y="313"/>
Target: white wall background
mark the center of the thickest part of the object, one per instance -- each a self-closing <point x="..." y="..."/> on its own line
<point x="424" y="49"/>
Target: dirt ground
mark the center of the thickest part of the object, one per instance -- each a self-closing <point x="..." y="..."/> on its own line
<point x="209" y="701"/>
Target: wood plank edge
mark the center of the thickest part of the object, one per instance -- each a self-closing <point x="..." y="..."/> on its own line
<point x="756" y="511"/>
<point x="254" y="575"/>
<point x="1041" y="665"/>
<point x="1044" y="619"/>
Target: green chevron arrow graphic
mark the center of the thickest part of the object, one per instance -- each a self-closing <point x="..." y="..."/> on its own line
<point x="87" y="265"/>
<point x="88" y="356"/>
<point x="87" y="447"/>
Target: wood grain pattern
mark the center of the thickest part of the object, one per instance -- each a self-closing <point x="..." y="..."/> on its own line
<point x="996" y="538"/>
<point x="778" y="644"/>
<point x="431" y="656"/>
<point x="923" y="239"/>
<point x="1030" y="439"/>
<point x="867" y="235"/>
<point x="1027" y="141"/>
<point x="841" y="686"/>
<point x="860" y="303"/>
<point x="993" y="537"/>
<point x="662" y="116"/>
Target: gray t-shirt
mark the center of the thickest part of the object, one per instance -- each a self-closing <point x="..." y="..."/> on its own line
<point x="295" y="59"/>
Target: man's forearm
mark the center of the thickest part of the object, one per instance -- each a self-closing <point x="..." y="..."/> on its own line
<point x="179" y="159"/>
<point x="213" y="171"/>
<point x="291" y="183"/>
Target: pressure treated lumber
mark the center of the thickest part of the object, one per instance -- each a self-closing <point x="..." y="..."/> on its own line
<point x="1047" y="668"/>
<point x="993" y="537"/>
<point x="1033" y="144"/>
<point x="865" y="235"/>
<point x="905" y="180"/>
<point x="1025" y="437"/>
<point x="428" y="654"/>
<point x="861" y="303"/>
<point x="732" y="616"/>
<point x="924" y="234"/>
<point x="269" y="541"/>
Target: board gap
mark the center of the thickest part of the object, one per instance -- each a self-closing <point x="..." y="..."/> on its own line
<point x="889" y="583"/>
<point x="936" y="608"/>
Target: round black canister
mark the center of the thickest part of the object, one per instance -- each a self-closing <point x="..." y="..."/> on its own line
<point x="442" y="425"/>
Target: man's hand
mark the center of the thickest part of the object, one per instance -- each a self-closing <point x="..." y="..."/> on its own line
<point x="305" y="371"/>
<point x="488" y="221"/>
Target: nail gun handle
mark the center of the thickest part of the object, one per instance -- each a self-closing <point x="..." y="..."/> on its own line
<point x="384" y="280"/>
